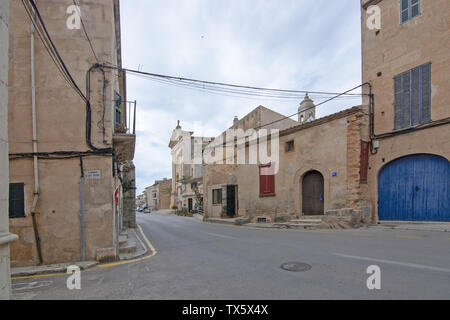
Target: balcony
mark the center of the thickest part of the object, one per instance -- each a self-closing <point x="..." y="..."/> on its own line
<point x="124" y="138"/>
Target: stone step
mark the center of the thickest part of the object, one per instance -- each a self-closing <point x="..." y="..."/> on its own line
<point x="298" y="225"/>
<point x="311" y="217"/>
<point x="306" y="221"/>
<point x="128" y="248"/>
<point x="123" y="240"/>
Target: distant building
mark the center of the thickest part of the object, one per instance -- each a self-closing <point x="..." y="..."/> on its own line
<point x="158" y="195"/>
<point x="187" y="175"/>
<point x="407" y="62"/>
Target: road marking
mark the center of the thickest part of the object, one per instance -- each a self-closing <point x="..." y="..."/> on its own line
<point x="101" y="266"/>
<point x="149" y="244"/>
<point x="220" y="236"/>
<point x="408" y="237"/>
<point x="405" y="264"/>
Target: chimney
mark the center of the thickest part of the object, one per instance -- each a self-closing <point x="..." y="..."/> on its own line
<point x="235" y="120"/>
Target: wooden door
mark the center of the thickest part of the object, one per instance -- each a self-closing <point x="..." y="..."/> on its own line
<point x="313" y="194"/>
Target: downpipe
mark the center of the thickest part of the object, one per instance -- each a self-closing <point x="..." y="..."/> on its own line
<point x="35" y="147"/>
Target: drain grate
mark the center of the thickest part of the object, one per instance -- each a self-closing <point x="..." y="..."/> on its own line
<point x="296" y="266"/>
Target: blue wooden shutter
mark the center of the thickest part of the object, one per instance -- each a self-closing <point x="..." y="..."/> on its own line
<point x="415" y="96"/>
<point x="426" y="92"/>
<point x="406" y="105"/>
<point x="398" y="102"/>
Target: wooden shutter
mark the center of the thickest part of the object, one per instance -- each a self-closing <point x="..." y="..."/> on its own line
<point x="406" y="108"/>
<point x="398" y="102"/>
<point x="415" y="96"/>
<point x="266" y="181"/>
<point x="426" y="92"/>
<point x="16" y="200"/>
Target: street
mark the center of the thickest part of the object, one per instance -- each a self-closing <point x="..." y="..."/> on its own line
<point x="203" y="261"/>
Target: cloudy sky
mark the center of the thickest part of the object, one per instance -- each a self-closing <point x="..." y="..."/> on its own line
<point x="289" y="44"/>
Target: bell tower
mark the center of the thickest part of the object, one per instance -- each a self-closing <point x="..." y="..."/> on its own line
<point x="307" y="110"/>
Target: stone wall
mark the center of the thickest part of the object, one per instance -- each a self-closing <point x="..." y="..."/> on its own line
<point x="330" y="145"/>
<point x="61" y="125"/>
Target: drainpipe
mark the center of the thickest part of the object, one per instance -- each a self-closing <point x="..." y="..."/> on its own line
<point x="82" y="237"/>
<point x="35" y="146"/>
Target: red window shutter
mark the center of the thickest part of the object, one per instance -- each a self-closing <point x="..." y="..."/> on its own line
<point x="266" y="181"/>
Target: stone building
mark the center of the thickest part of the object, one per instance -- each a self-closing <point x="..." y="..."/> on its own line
<point x="158" y="195"/>
<point x="319" y="169"/>
<point x="5" y="236"/>
<point x="407" y="61"/>
<point x="68" y="156"/>
<point x="187" y="172"/>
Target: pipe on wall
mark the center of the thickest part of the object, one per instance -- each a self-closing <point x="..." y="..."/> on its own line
<point x="82" y="229"/>
<point x="35" y="146"/>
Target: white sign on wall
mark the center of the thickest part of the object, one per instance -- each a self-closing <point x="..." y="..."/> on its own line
<point x="93" y="174"/>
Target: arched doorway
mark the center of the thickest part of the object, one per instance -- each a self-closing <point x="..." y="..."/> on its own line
<point x="415" y="188"/>
<point x="313" y="194"/>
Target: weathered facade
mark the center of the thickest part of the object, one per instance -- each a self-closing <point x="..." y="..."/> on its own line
<point x="407" y="61"/>
<point x="5" y="236"/>
<point x="187" y="173"/>
<point x="158" y="195"/>
<point x="68" y="208"/>
<point x="318" y="170"/>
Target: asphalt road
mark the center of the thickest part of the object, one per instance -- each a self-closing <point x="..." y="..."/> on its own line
<point x="208" y="261"/>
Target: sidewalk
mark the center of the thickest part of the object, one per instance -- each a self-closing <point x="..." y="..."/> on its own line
<point x="414" y="226"/>
<point x="134" y="239"/>
<point x="49" y="269"/>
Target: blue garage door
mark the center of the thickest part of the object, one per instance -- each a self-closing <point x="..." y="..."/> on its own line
<point x="415" y="188"/>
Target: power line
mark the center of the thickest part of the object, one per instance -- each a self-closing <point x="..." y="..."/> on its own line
<point x="85" y="32"/>
<point x="243" y="89"/>
<point x="312" y="107"/>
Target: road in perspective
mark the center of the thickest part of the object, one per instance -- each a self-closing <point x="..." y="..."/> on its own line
<point x="198" y="260"/>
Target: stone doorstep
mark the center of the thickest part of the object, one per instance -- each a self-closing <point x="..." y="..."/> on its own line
<point x="53" y="268"/>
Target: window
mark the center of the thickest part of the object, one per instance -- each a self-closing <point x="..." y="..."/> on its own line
<point x="409" y="9"/>
<point x="194" y="186"/>
<point x="290" y="146"/>
<point x="117" y="109"/>
<point x="217" y="196"/>
<point x="412" y="101"/>
<point x="16" y="200"/>
<point x="266" y="181"/>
